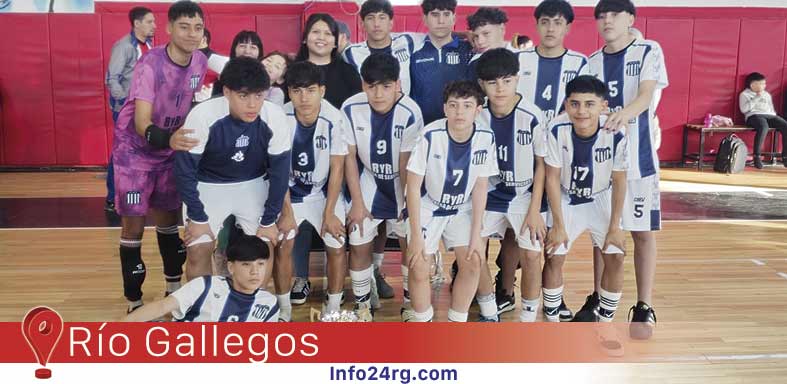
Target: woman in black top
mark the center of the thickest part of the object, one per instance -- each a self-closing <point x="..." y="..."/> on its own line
<point x="318" y="45"/>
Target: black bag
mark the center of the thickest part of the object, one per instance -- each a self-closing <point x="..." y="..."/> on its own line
<point x="732" y="155"/>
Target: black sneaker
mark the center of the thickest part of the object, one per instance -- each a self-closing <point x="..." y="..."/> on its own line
<point x="384" y="290"/>
<point x="642" y="322"/>
<point x="588" y="311"/>
<point x="505" y="302"/>
<point x="300" y="291"/>
<point x="757" y="162"/>
<point x="565" y="312"/>
<point x="109" y="206"/>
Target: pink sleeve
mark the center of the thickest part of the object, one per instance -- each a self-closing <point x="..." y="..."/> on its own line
<point x="143" y="87"/>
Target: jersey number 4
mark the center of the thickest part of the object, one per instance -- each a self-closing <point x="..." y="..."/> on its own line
<point x="547" y="94"/>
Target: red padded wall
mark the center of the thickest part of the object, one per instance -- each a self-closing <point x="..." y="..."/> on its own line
<point x="26" y="90"/>
<point x="53" y="108"/>
<point x="78" y="89"/>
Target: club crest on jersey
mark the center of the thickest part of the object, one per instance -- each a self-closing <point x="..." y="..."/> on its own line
<point x="259" y="311"/>
<point x="133" y="197"/>
<point x="321" y="142"/>
<point x="603" y="154"/>
<point x="452" y="58"/>
<point x="238" y="157"/>
<point x="524" y="137"/>
<point x="398" y="131"/>
<point x="402" y="55"/>
<point x="479" y="157"/>
<point x="194" y="82"/>
<point x="569" y="75"/>
<point x="633" y="68"/>
<point x="242" y="142"/>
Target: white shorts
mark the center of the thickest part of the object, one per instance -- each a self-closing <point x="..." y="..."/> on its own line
<point x="454" y="230"/>
<point x="245" y="200"/>
<point x="312" y="211"/>
<point x="496" y="224"/>
<point x="593" y="216"/>
<point x="642" y="209"/>
<point x="392" y="226"/>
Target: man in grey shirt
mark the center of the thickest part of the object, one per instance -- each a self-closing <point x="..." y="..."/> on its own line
<point x="125" y="53"/>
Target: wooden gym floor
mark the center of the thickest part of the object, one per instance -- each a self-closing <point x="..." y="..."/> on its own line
<point x="721" y="281"/>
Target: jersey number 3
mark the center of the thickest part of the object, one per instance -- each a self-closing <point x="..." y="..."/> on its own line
<point x="303" y="159"/>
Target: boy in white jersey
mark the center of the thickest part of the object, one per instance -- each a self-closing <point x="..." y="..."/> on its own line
<point x="239" y="167"/>
<point x="583" y="163"/>
<point x="633" y="71"/>
<point x="377" y="19"/>
<point x="544" y="72"/>
<point x="446" y="195"/>
<point x="382" y="128"/>
<point x="316" y="132"/>
<point x="218" y="298"/>
<point x="487" y="26"/>
<point x="515" y="195"/>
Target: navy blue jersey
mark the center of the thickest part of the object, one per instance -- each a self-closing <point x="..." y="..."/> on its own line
<point x="233" y="151"/>
<point x="431" y="69"/>
<point x="212" y="298"/>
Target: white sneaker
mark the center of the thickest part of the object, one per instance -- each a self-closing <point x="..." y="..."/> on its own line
<point x="364" y="311"/>
<point x="374" y="297"/>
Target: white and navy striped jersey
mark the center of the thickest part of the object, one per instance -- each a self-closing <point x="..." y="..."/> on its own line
<point x="233" y="151"/>
<point x="586" y="164"/>
<point x="379" y="139"/>
<point x="519" y="137"/>
<point x="402" y="47"/>
<point x="542" y="80"/>
<point x="312" y="148"/>
<point x="212" y="298"/>
<point x="450" y="168"/>
<point x="622" y="72"/>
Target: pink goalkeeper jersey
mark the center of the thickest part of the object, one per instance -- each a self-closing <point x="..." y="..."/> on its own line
<point x="170" y="88"/>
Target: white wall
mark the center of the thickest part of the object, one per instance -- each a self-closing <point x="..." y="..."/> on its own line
<point x="640" y="3"/>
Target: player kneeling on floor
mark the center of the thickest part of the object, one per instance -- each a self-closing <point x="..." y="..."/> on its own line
<point x="586" y="186"/>
<point x="218" y="298"/>
<point x="316" y="132"/>
<point x="239" y="167"/>
<point x="447" y="182"/>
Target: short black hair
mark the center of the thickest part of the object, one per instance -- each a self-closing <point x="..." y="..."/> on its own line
<point x="247" y="248"/>
<point x="497" y="63"/>
<point x="440" y="5"/>
<point x="380" y="68"/>
<point x="206" y="33"/>
<point x="554" y="8"/>
<point x="752" y="77"/>
<point x="184" y="8"/>
<point x="245" y="74"/>
<point x="464" y="89"/>
<point x="486" y="15"/>
<point x="523" y="39"/>
<point x="614" y="6"/>
<point x="246" y="37"/>
<point x="586" y="84"/>
<point x="303" y="74"/>
<point x="375" y="6"/>
<point x="344" y="29"/>
<point x="137" y="13"/>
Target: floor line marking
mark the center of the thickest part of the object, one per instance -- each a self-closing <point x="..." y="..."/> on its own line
<point x="758" y="262"/>
<point x="782" y="274"/>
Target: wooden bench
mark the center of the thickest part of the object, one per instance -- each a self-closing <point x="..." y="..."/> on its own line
<point x="702" y="130"/>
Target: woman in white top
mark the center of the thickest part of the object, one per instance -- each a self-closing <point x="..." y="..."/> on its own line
<point x="757" y="106"/>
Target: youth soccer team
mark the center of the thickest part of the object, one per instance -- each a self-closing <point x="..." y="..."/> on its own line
<point x="454" y="139"/>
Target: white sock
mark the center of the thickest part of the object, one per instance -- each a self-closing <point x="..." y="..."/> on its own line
<point x="173" y="286"/>
<point x="552" y="299"/>
<point x="334" y="302"/>
<point x="487" y="304"/>
<point x="608" y="304"/>
<point x="455" y="316"/>
<point x="529" y="311"/>
<point x="134" y="304"/>
<point x="377" y="259"/>
<point x="285" y="308"/>
<point x="405" y="279"/>
<point x="423" y="317"/>
<point x="362" y="283"/>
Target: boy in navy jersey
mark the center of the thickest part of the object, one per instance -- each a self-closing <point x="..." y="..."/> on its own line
<point x="316" y="133"/>
<point x="446" y="196"/>
<point x="218" y="298"/>
<point x="382" y="127"/>
<point x="239" y="167"/>
<point x="586" y="186"/>
<point x="634" y="72"/>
